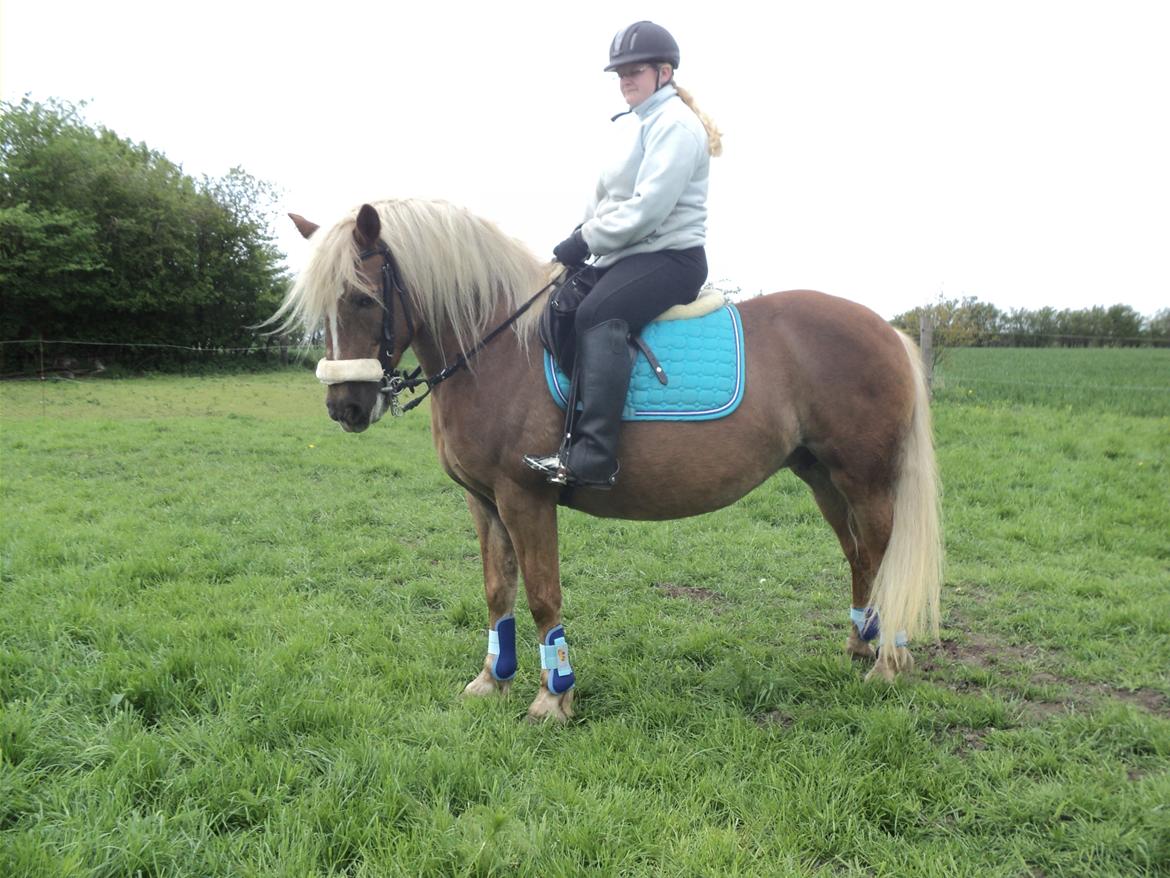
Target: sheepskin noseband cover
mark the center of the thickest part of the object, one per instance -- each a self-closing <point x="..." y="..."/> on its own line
<point x="340" y="371"/>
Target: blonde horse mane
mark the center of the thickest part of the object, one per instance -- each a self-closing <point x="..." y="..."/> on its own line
<point x="457" y="268"/>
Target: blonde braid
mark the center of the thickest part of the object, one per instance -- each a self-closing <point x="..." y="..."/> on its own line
<point x="714" y="135"/>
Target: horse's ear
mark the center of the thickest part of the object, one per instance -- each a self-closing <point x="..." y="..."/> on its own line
<point x="305" y="227"/>
<point x="369" y="228"/>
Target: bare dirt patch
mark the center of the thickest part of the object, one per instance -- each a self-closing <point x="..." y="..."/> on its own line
<point x="774" y="718"/>
<point x="962" y="740"/>
<point x="936" y="662"/>
<point x="974" y="739"/>
<point x="690" y="593"/>
<point x="1147" y="699"/>
<point x="978" y="652"/>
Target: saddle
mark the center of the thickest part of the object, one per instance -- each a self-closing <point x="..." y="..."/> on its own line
<point x="689" y="365"/>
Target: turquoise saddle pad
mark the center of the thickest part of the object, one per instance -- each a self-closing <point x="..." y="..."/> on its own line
<point x="704" y="365"/>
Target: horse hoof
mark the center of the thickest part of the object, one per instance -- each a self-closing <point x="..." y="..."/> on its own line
<point x="858" y="649"/>
<point x="891" y="662"/>
<point x="881" y="673"/>
<point x="551" y="708"/>
<point x="486" y="685"/>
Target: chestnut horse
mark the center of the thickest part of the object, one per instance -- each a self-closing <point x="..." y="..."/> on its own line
<point x="832" y="393"/>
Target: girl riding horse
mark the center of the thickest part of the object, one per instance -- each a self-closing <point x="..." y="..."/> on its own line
<point x="647" y="223"/>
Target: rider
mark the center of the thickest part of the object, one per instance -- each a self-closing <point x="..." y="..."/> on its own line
<point x="647" y="226"/>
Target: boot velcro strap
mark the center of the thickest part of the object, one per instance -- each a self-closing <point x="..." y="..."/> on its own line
<point x="555" y="657"/>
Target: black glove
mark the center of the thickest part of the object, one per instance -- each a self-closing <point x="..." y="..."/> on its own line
<point x="573" y="250"/>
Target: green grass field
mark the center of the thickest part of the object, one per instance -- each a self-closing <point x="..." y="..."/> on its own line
<point x="233" y="639"/>
<point x="1131" y="381"/>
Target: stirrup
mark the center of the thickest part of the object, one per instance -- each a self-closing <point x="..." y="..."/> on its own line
<point x="566" y="477"/>
<point x="548" y="464"/>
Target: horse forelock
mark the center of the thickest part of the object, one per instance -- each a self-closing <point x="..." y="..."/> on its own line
<point x="330" y="270"/>
<point x="459" y="270"/>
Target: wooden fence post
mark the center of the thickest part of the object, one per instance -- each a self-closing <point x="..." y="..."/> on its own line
<point x="926" y="344"/>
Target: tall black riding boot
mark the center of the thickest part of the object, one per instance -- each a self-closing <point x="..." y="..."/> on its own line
<point x="604" y="362"/>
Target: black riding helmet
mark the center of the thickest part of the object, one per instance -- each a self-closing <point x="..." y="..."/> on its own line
<point x="643" y="41"/>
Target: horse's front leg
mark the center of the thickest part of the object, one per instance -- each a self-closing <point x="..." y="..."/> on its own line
<point x="531" y="520"/>
<point x="499" y="582"/>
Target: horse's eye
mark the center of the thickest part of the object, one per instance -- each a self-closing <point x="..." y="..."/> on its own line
<point x="361" y="301"/>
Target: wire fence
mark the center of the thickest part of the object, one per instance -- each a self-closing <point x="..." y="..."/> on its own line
<point x="966" y="380"/>
<point x="1132" y="379"/>
<point x="944" y="336"/>
<point x="131" y="344"/>
<point x="1008" y="338"/>
<point x="1126" y="380"/>
<point x="74" y="358"/>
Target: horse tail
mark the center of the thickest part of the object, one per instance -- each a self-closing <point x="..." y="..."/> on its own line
<point x="905" y="591"/>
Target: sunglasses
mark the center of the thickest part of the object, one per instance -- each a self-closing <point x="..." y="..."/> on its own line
<point x="633" y="72"/>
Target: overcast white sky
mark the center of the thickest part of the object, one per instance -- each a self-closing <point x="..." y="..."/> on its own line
<point x="883" y="151"/>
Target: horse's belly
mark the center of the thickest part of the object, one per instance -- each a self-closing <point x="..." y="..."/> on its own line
<point x="676" y="471"/>
<point x="637" y="502"/>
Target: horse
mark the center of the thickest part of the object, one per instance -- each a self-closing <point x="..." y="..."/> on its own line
<point x="833" y="393"/>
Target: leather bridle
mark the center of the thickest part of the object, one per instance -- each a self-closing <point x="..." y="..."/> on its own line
<point x="390" y="285"/>
<point x="392" y="381"/>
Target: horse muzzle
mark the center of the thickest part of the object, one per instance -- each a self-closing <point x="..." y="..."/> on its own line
<point x="351" y="415"/>
<point x="353" y="398"/>
<point x="355" y="405"/>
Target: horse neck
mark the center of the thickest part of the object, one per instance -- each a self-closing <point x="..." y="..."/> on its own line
<point x="428" y="351"/>
<point x="436" y="351"/>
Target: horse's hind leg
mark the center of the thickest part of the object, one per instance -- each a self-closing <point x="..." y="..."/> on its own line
<point x="499" y="582"/>
<point x="836" y="511"/>
<point x="870" y="502"/>
<point x="873" y="512"/>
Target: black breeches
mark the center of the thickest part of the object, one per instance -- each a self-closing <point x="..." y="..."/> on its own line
<point x="640" y="287"/>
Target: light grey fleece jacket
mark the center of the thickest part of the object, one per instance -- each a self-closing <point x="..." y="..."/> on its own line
<point x="656" y="197"/>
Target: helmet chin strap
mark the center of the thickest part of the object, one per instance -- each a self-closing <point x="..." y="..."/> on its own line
<point x="658" y="86"/>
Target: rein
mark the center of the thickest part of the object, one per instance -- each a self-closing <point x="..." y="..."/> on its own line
<point x="393" y="381"/>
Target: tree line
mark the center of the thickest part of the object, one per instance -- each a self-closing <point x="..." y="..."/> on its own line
<point x="105" y="239"/>
<point x="967" y="322"/>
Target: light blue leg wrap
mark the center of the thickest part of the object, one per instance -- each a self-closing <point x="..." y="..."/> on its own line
<point x="866" y="620"/>
<point x="502" y="648"/>
<point x="554" y="658"/>
<point x="869" y="627"/>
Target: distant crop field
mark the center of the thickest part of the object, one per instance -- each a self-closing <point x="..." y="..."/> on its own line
<point x="1133" y="381"/>
<point x="233" y="640"/>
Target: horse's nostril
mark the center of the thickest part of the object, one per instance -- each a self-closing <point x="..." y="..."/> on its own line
<point x="345" y="413"/>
